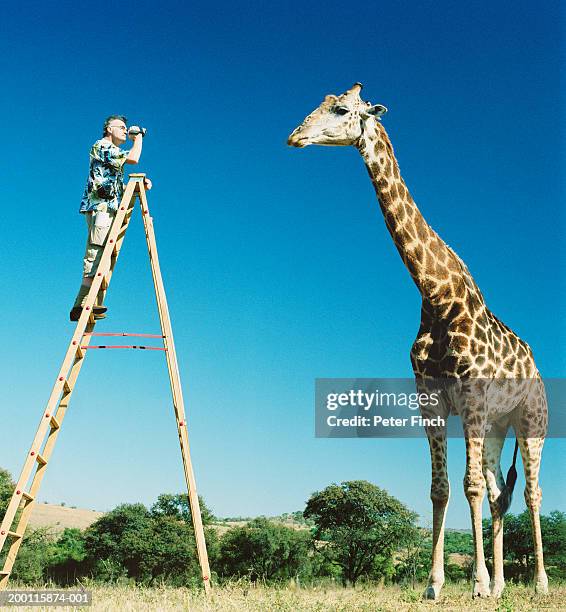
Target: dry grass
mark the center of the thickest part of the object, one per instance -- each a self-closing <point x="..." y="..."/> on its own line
<point x="59" y="517"/>
<point x="246" y="598"/>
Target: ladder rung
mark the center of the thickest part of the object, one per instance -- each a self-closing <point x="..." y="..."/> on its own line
<point x="41" y="459"/>
<point x="79" y="353"/>
<point x="67" y="387"/>
<point x="4" y="573"/>
<point x="27" y="497"/>
<point x="55" y="423"/>
<point x="13" y="534"/>
<point x="104" y="284"/>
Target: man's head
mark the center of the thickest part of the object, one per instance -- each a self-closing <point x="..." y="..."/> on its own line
<point x="115" y="129"/>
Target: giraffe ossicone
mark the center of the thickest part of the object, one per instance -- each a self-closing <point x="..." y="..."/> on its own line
<point x="494" y="382"/>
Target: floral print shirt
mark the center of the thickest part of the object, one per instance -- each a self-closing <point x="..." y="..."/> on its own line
<point x="105" y="183"/>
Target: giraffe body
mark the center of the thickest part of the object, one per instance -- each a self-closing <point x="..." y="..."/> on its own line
<point x="492" y="379"/>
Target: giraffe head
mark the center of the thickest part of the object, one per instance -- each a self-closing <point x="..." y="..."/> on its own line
<point x="338" y="121"/>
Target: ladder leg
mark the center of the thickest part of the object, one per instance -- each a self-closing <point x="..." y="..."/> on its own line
<point x="176" y="389"/>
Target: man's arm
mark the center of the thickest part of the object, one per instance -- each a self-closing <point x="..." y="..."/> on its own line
<point x="135" y="151"/>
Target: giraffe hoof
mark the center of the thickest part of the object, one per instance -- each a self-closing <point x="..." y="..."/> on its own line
<point x="481" y="590"/>
<point x="431" y="593"/>
<point x="541" y="586"/>
<point x="497" y="589"/>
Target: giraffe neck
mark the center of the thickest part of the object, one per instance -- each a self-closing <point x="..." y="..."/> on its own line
<point x="434" y="267"/>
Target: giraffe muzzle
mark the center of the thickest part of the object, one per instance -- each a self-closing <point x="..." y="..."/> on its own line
<point x="295" y="140"/>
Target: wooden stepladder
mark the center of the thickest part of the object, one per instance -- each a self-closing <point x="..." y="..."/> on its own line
<point x="17" y="516"/>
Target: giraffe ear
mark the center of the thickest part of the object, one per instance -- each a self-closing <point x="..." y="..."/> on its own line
<point x="377" y="110"/>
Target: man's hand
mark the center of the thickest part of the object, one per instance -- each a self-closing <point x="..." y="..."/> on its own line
<point x="134" y="131"/>
<point x="147" y="183"/>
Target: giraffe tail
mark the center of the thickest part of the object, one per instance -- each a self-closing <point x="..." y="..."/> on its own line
<point x="506" y="495"/>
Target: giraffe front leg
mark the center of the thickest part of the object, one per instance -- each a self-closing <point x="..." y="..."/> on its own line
<point x="439" y="494"/>
<point x="474" y="487"/>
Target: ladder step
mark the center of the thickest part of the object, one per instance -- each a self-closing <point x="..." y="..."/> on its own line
<point x="41" y="459"/>
<point x="13" y="534"/>
<point x="55" y="423"/>
<point x="4" y="573"/>
<point x="67" y="387"/>
<point x="79" y="353"/>
<point x="27" y="497"/>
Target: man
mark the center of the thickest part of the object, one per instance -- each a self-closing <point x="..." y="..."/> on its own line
<point x="102" y="196"/>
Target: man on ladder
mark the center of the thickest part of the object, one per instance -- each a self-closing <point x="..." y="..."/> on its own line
<point x="101" y="198"/>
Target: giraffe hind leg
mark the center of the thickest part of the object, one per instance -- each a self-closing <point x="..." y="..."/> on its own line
<point x="531" y="450"/>
<point x="531" y="428"/>
<point x="496" y="487"/>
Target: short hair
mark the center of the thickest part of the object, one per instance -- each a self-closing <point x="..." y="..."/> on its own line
<point x="111" y="118"/>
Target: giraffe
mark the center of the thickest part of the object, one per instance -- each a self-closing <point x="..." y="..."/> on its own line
<point x="494" y="382"/>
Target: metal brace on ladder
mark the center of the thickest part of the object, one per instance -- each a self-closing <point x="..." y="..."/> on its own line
<point x="14" y="523"/>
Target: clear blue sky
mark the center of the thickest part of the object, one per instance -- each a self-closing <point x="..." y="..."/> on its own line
<point x="277" y="262"/>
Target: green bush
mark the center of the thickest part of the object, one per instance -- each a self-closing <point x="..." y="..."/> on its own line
<point x="146" y="546"/>
<point x="518" y="546"/>
<point x="7" y="486"/>
<point x="34" y="556"/>
<point x="178" y="507"/>
<point x="67" y="562"/>
<point x="264" y="550"/>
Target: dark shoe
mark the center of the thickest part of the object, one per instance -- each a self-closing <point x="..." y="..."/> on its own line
<point x="99" y="312"/>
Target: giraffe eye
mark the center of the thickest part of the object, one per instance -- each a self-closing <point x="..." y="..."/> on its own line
<point x="341" y="110"/>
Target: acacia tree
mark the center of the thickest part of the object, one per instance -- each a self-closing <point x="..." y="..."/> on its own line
<point x="358" y="526"/>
